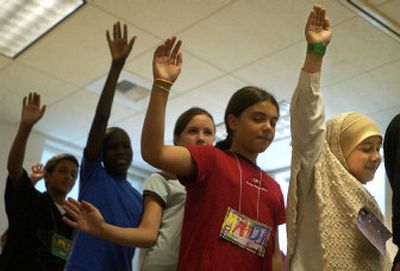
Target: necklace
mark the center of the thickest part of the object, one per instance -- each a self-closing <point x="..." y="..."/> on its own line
<point x="241" y="187"/>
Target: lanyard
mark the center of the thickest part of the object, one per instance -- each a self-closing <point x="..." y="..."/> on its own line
<point x="241" y="187"/>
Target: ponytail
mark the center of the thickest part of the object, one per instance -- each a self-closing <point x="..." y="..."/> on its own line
<point x="224" y="144"/>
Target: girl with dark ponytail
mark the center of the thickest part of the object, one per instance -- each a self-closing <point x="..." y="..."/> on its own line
<point x="233" y="208"/>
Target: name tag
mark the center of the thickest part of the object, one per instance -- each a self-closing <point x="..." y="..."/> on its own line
<point x="245" y="232"/>
<point x="60" y="246"/>
<point x="373" y="229"/>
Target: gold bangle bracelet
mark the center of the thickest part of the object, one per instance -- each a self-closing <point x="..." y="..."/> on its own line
<point x="161" y="87"/>
<point x="163" y="80"/>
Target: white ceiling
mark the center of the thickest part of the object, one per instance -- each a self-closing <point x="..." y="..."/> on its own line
<point x="227" y="44"/>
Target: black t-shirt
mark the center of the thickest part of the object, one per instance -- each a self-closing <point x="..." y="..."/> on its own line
<point x="33" y="218"/>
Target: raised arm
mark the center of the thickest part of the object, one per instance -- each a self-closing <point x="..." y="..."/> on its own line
<point x="167" y="64"/>
<point x="31" y="113"/>
<point x="88" y="218"/>
<point x="307" y="109"/>
<point x="120" y="49"/>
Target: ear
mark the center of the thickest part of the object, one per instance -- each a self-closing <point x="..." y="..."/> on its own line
<point x="232" y="122"/>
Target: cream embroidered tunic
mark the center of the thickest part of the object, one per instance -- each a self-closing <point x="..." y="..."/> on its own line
<point x="324" y="198"/>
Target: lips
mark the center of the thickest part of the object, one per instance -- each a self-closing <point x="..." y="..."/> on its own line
<point x="121" y="161"/>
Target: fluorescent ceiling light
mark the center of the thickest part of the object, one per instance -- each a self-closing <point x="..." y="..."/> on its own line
<point x="23" y="22"/>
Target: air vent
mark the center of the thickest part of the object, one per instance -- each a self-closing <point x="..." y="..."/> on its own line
<point x="132" y="90"/>
<point x="125" y="86"/>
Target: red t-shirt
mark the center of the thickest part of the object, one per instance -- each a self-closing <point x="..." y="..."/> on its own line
<point x="215" y="188"/>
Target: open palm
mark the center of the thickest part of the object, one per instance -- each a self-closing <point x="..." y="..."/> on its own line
<point x="318" y="29"/>
<point x="167" y="61"/>
<point x="86" y="217"/>
<point x="31" y="110"/>
<point x="119" y="45"/>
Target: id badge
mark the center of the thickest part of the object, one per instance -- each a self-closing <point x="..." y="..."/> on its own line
<point x="373" y="229"/>
<point x="60" y="246"/>
<point x="245" y="232"/>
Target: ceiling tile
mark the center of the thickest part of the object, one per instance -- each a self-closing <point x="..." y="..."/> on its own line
<point x="77" y="50"/>
<point x="4" y="61"/>
<point x="194" y="72"/>
<point x="370" y="48"/>
<point x="278" y="73"/>
<point x="370" y="92"/>
<point x="243" y="32"/>
<point x="18" y="80"/>
<point x="162" y="18"/>
<point x="71" y="118"/>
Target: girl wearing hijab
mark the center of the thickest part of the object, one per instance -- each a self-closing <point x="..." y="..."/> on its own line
<point x="330" y="164"/>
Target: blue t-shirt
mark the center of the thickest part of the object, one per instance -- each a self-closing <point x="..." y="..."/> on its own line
<point x="120" y="204"/>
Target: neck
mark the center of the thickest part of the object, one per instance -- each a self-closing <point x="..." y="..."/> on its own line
<point x="56" y="197"/>
<point x="252" y="157"/>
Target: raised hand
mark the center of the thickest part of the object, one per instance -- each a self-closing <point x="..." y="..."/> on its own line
<point x="86" y="217"/>
<point x="167" y="61"/>
<point x="119" y="45"/>
<point x="37" y="172"/>
<point x="318" y="29"/>
<point x="31" y="110"/>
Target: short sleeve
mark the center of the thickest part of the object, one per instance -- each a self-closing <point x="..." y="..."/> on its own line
<point x="157" y="184"/>
<point x="88" y="169"/>
<point x="21" y="195"/>
<point x="204" y="158"/>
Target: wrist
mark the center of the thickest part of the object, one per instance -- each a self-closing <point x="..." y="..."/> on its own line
<point x="316" y="48"/>
<point x="162" y="84"/>
<point x="25" y="126"/>
<point x="117" y="64"/>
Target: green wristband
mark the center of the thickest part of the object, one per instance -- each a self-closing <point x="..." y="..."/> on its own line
<point x="316" y="48"/>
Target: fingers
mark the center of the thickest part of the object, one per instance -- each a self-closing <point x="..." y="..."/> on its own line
<point x="70" y="222"/>
<point x="125" y="36"/>
<point x="179" y="59"/>
<point x="72" y="207"/>
<point x="175" y="50"/>
<point x="37" y="167"/>
<point x="43" y="109"/>
<point x="131" y="42"/>
<point x="327" y="24"/>
<point x="33" y="98"/>
<point x="108" y="36"/>
<point x="319" y="15"/>
<point x="171" y="49"/>
<point x="88" y="206"/>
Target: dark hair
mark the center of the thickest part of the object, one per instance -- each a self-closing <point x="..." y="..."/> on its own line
<point x="52" y="163"/>
<point x="240" y="101"/>
<point x="187" y="116"/>
<point x="111" y="131"/>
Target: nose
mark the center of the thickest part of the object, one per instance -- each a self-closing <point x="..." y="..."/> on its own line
<point x="200" y="138"/>
<point x="376" y="157"/>
<point x="267" y="126"/>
